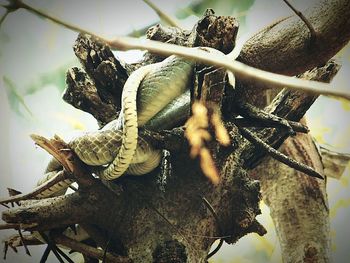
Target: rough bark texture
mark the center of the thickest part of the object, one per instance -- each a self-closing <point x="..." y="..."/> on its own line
<point x="298" y="203"/>
<point x="147" y="224"/>
<point x="285" y="46"/>
<point x="288" y="40"/>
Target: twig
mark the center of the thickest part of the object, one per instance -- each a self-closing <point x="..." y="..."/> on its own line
<point x="245" y="122"/>
<point x="163" y="15"/>
<point x="6" y="247"/>
<point x="255" y="114"/>
<point x="64" y="155"/>
<point x="278" y="155"/>
<point x="23" y="243"/>
<point x="212" y="210"/>
<point x="272" y="80"/>
<point x="88" y="250"/>
<point x="9" y="226"/>
<point x="304" y="19"/>
<point x="49" y="146"/>
<point x="16" y="241"/>
<point x="175" y="228"/>
<point x="61" y="176"/>
<point x="54" y="248"/>
<point x="45" y="254"/>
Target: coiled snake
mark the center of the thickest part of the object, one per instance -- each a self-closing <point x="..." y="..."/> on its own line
<point x="146" y="94"/>
<point x="150" y="97"/>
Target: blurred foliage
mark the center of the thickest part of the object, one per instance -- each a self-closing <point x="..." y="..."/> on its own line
<point x="15" y="98"/>
<point x="234" y="7"/>
<point x="345" y="104"/>
<point x="16" y="95"/>
<point x="342" y="203"/>
<point x="73" y="122"/>
<point x="56" y="78"/>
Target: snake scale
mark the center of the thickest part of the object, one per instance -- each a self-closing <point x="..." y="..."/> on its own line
<point x="146" y="93"/>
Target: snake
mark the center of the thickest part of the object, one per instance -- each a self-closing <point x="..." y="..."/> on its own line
<point x="152" y="98"/>
<point x="145" y="97"/>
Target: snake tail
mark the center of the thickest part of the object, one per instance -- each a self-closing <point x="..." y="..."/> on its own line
<point x="130" y="128"/>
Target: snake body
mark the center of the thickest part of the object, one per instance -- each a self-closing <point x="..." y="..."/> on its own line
<point x="151" y="98"/>
<point x="146" y="93"/>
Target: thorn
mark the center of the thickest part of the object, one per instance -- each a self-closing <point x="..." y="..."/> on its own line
<point x="14" y="249"/>
<point x="13" y="192"/>
<point x="5" y="205"/>
<point x="313" y="33"/>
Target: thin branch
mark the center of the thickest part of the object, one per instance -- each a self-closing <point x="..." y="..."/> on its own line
<point x="246" y="122"/>
<point x="88" y="250"/>
<point x="304" y="19"/>
<point x="61" y="176"/>
<point x="62" y="153"/>
<point x="45" y="254"/>
<point x="41" y="13"/>
<point x="278" y="155"/>
<point x="16" y="241"/>
<point x="255" y="114"/>
<point x="50" y="212"/>
<point x="9" y="226"/>
<point x="52" y="247"/>
<point x="49" y="146"/>
<point x="163" y="15"/>
<point x="6" y="247"/>
<point x="272" y="80"/>
<point x="23" y="242"/>
<point x="212" y="210"/>
<point x="56" y="250"/>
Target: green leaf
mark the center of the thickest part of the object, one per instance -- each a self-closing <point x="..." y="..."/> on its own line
<point x="15" y="98"/>
<point x="220" y="7"/>
<point x="55" y="77"/>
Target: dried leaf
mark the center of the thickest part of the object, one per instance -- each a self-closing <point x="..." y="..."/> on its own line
<point x="220" y="130"/>
<point x="208" y="166"/>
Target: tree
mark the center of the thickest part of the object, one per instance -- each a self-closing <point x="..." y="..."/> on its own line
<point x="148" y="223"/>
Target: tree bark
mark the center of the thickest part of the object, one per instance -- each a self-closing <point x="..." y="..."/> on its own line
<point x="147" y="224"/>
